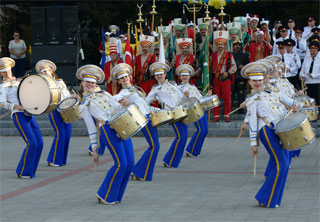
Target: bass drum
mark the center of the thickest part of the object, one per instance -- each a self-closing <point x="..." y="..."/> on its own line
<point x="39" y="94"/>
<point x="128" y="121"/>
<point x="295" y="131"/>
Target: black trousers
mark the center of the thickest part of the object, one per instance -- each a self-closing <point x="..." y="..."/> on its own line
<point x="238" y="88"/>
<point x="295" y="81"/>
<point x="314" y="92"/>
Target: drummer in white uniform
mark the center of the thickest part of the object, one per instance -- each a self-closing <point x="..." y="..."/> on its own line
<point x="102" y="107"/>
<point x="26" y="124"/>
<point x="195" y="145"/>
<point x="264" y="111"/>
<point x="169" y="96"/>
<point x="143" y="169"/>
<point x="60" y="145"/>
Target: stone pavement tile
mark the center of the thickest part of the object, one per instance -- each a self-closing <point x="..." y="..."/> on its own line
<point x="313" y="219"/>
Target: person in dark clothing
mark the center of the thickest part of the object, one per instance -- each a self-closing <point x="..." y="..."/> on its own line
<point x="241" y="58"/>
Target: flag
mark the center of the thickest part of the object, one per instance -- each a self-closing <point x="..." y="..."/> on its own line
<point x="128" y="53"/>
<point x="103" y="59"/>
<point x="205" y="68"/>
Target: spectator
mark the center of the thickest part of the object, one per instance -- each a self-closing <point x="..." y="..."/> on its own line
<point x="17" y="49"/>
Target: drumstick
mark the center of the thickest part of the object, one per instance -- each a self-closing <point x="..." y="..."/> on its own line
<point x="240" y="134"/>
<point x="217" y="116"/>
<point x="288" y="113"/>
<point x="4" y="115"/>
<point x="254" y="165"/>
<point x="94" y="172"/>
<point x="233" y="111"/>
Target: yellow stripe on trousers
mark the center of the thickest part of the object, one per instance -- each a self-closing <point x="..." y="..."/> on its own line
<point x="175" y="148"/>
<point x="194" y="144"/>
<point x="28" y="145"/>
<point x="152" y="143"/>
<point x="56" y="145"/>
<point x="115" y="173"/>
<point x="277" y="163"/>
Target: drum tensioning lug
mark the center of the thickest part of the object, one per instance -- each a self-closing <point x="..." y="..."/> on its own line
<point x="305" y="138"/>
<point x="124" y="132"/>
<point x="301" y="128"/>
<point x="137" y="123"/>
<point x="118" y="135"/>
<point x="117" y="124"/>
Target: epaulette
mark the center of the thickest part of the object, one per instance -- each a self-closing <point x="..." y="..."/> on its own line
<point x="172" y="83"/>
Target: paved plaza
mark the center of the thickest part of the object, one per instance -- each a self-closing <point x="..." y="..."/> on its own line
<point x="217" y="186"/>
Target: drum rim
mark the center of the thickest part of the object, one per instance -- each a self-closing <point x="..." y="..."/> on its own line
<point x="71" y="97"/>
<point x="293" y="127"/>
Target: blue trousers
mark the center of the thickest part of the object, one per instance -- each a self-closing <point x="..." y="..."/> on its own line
<point x="145" y="166"/>
<point x="195" y="145"/>
<point x="175" y="152"/>
<point x="30" y="132"/>
<point x="271" y="192"/>
<point x="116" y="180"/>
<point x="60" y="145"/>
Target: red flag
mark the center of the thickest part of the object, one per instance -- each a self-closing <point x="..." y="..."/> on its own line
<point x="128" y="53"/>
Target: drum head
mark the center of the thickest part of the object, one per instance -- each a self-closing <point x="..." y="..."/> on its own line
<point x="67" y="103"/>
<point x="34" y="94"/>
<point x="208" y="98"/>
<point x="292" y="121"/>
<point x="189" y="102"/>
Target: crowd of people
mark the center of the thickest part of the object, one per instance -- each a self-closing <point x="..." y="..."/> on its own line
<point x="249" y="38"/>
<point x="241" y="58"/>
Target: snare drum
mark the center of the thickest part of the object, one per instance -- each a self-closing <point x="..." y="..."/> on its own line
<point x="69" y="109"/>
<point x="312" y="101"/>
<point x="193" y="109"/>
<point x="311" y="112"/>
<point x="128" y="121"/>
<point x="161" y="117"/>
<point x="295" y="131"/>
<point x="209" y="102"/>
<point x="304" y="100"/>
<point x="39" y="94"/>
<point x="179" y="113"/>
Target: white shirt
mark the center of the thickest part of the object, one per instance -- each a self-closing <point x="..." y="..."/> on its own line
<point x="265" y="104"/>
<point x="134" y="96"/>
<point x="192" y="89"/>
<point x="9" y="96"/>
<point x="293" y="36"/>
<point x="17" y="47"/>
<point x="166" y="93"/>
<point x="102" y="107"/>
<point x="295" y="66"/>
<point x="63" y="89"/>
<point x="275" y="49"/>
<point x="307" y="31"/>
<point x="315" y="71"/>
<point x="301" y="51"/>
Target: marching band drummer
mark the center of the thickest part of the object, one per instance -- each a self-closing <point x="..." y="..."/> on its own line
<point x="169" y="96"/>
<point x="143" y="169"/>
<point x="102" y="107"/>
<point x="195" y="145"/>
<point x="26" y="125"/>
<point x="60" y="145"/>
<point x="264" y="111"/>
